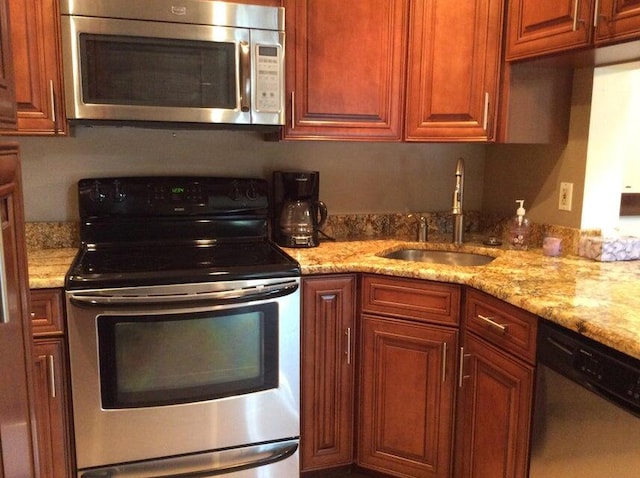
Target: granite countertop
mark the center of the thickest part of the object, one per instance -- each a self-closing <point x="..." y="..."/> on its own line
<point x="600" y="300"/>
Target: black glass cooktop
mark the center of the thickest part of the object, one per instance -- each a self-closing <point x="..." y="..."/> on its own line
<point x="144" y="264"/>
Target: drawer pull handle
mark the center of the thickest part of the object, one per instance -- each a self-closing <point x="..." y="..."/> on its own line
<point x="493" y="323"/>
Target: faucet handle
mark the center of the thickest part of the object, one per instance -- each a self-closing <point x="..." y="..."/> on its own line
<point x="422" y="232"/>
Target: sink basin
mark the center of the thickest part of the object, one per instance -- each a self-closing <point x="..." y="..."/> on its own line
<point x="453" y="258"/>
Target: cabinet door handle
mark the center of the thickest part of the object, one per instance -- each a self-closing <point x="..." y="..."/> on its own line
<point x="245" y="76"/>
<point x="52" y="95"/>
<point x="52" y="375"/>
<point x="493" y="323"/>
<point x="348" y="351"/>
<point x="461" y="375"/>
<point x="485" y="121"/>
<point x="293" y="110"/>
<point x="576" y="4"/>
<point x="444" y="361"/>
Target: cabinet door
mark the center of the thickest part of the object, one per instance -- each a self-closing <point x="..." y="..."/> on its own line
<point x="345" y="69"/>
<point x="406" y="397"/>
<point x="51" y="408"/>
<point x="538" y="27"/>
<point x="35" y="40"/>
<point x="7" y="84"/>
<point x="327" y="371"/>
<point x="618" y="20"/>
<point x="16" y="438"/>
<point x="453" y="69"/>
<point x="494" y="413"/>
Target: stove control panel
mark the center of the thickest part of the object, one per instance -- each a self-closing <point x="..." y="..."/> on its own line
<point x="172" y="196"/>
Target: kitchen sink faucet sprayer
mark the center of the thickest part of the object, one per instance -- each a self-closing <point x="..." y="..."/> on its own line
<point x="458" y="200"/>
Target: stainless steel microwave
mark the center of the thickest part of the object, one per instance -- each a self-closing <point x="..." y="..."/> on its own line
<point x="176" y="61"/>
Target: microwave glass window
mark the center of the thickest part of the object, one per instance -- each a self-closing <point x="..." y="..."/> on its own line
<point x="170" y="359"/>
<point x="158" y="72"/>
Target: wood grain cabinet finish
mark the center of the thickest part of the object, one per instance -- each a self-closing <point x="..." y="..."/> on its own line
<point x="35" y="41"/>
<point x="453" y="69"/>
<point x="345" y="69"/>
<point x="16" y="391"/>
<point x="8" y="117"/>
<point x="52" y="403"/>
<point x="408" y="376"/>
<point x="540" y="27"/>
<point x="496" y="389"/>
<point x="328" y="377"/>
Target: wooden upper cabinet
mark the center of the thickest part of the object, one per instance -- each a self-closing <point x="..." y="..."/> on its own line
<point x="453" y="69"/>
<point x="7" y="85"/>
<point x="618" y="20"/>
<point x="540" y="27"/>
<point x="345" y="69"/>
<point x="36" y="42"/>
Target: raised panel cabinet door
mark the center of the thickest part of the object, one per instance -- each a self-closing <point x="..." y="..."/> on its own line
<point x="8" y="116"/>
<point x="494" y="413"/>
<point x="453" y="69"/>
<point x="617" y="20"/>
<point x="345" y="69"/>
<point x="16" y="391"/>
<point x="51" y="408"/>
<point x="328" y="380"/>
<point x="539" y="27"/>
<point x="406" y="397"/>
<point x="35" y="42"/>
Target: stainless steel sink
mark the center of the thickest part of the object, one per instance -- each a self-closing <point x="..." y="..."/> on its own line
<point x="453" y="258"/>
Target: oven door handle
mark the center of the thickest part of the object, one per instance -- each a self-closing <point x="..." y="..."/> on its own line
<point x="219" y="297"/>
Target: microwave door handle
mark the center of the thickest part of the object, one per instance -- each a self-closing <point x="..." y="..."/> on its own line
<point x="245" y="77"/>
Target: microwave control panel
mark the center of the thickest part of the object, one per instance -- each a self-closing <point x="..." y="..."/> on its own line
<point x="268" y="78"/>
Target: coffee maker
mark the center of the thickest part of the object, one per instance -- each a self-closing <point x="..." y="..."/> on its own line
<point x="298" y="213"/>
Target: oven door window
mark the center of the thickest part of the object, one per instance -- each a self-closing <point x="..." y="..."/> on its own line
<point x="138" y="71"/>
<point x="155" y="360"/>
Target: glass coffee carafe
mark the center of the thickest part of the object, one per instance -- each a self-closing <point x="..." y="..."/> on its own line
<point x="300" y="221"/>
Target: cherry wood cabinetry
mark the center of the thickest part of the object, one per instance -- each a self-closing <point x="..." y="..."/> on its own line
<point x="328" y="378"/>
<point x="51" y="403"/>
<point x="345" y="69"/>
<point x="453" y="69"/>
<point x="16" y="391"/>
<point x="36" y="42"/>
<point x="496" y="389"/>
<point x="7" y="85"/>
<point x="408" y="345"/>
<point x="539" y="27"/>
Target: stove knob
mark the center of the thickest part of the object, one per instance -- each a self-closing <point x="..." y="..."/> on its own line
<point x="97" y="194"/>
<point x="235" y="194"/>
<point x="252" y="193"/>
<point x="118" y="194"/>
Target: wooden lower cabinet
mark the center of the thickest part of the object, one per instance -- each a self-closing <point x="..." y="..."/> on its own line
<point x="406" y="397"/>
<point x="496" y="389"/>
<point x="408" y="352"/>
<point x="328" y="376"/>
<point x="52" y="403"/>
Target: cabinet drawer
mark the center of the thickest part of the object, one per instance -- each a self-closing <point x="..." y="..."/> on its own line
<point x="47" y="312"/>
<point x="411" y="299"/>
<point x="502" y="324"/>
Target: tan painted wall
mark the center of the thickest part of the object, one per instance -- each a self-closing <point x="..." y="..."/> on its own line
<point x="534" y="172"/>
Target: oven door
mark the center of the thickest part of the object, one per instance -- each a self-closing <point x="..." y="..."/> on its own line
<point x="163" y="371"/>
<point x="132" y="70"/>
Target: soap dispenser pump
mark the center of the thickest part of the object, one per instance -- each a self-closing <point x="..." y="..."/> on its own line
<point x="519" y="229"/>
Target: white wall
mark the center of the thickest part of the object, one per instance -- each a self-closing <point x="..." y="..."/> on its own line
<point x="354" y="177"/>
<point x="614" y="134"/>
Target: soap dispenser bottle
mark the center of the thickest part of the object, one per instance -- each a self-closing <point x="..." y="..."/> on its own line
<point x="519" y="229"/>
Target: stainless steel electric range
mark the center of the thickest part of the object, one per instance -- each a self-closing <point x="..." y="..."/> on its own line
<point x="184" y="322"/>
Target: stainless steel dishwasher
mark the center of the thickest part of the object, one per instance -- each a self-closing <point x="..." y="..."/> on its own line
<point x="587" y="411"/>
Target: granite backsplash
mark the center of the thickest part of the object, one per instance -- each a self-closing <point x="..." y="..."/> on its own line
<point x="349" y="227"/>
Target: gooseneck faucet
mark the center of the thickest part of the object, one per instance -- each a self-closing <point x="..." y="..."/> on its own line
<point x="458" y="201"/>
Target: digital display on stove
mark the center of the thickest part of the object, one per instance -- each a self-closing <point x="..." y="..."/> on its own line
<point x="177" y="189"/>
